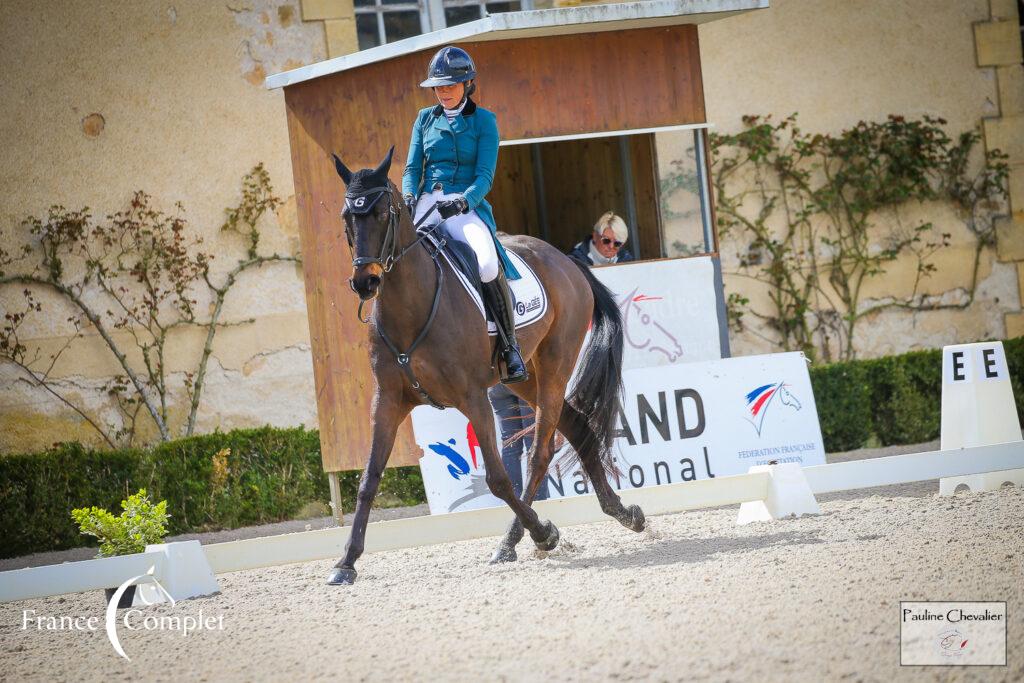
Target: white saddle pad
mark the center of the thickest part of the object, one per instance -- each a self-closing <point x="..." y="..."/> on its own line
<point x="531" y="299"/>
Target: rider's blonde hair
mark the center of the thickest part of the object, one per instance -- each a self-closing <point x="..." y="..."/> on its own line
<point x="610" y="219"/>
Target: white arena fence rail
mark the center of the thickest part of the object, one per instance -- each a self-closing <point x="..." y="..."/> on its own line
<point x="77" y="577"/>
<point x="306" y="546"/>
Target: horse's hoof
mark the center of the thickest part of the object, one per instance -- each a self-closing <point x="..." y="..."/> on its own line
<point x="503" y="554"/>
<point x="342" y="576"/>
<point x="637" y="521"/>
<point x="551" y="541"/>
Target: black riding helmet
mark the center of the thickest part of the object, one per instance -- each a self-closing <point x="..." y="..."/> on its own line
<point x="450" y="65"/>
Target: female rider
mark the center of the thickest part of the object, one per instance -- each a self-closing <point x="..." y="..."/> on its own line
<point x="452" y="156"/>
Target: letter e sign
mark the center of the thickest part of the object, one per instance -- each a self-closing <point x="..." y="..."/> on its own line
<point x="974" y="363"/>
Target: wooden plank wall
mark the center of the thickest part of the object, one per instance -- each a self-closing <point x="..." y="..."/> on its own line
<point x="513" y="193"/>
<point x="558" y="85"/>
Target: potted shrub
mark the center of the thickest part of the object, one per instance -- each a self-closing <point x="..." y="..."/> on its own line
<point x="140" y="524"/>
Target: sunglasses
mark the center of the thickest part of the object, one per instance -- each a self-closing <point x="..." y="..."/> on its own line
<point x="608" y="240"/>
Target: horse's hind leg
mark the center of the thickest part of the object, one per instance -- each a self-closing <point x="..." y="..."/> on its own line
<point x="478" y="409"/>
<point x="574" y="426"/>
<point x="546" y="405"/>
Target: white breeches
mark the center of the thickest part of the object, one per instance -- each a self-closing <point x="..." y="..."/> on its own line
<point x="467" y="228"/>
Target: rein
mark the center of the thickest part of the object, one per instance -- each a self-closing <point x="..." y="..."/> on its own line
<point x="362" y="203"/>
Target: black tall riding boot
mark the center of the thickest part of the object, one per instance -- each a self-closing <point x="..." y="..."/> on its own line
<point x="499" y="300"/>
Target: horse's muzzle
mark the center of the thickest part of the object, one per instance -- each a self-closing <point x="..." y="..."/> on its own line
<point x="365" y="283"/>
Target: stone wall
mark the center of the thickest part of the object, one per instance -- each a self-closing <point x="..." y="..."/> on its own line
<point x="998" y="48"/>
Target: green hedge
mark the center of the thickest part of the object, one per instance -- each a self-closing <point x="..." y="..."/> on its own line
<point x="271" y="474"/>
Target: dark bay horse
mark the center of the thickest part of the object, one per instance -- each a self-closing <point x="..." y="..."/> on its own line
<point x="417" y="357"/>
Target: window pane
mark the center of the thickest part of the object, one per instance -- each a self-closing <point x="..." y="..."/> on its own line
<point x="398" y="25"/>
<point x="496" y="7"/>
<point x="453" y="16"/>
<point x="366" y="29"/>
<point x="400" y="2"/>
<point x="364" y="3"/>
<point x="680" y="194"/>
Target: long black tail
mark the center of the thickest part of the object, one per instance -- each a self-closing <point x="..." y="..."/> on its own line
<point x="598" y="385"/>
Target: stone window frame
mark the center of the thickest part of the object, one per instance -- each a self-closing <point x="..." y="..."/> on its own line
<point x="431" y="12"/>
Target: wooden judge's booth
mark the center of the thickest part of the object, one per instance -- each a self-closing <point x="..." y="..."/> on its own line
<point x="579" y="94"/>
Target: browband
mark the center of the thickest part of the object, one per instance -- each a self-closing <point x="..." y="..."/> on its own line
<point x="362" y="202"/>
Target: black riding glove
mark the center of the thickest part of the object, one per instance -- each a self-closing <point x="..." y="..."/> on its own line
<point x="410" y="203"/>
<point x="452" y="207"/>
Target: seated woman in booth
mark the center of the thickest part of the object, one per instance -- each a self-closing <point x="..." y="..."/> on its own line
<point x="606" y="244"/>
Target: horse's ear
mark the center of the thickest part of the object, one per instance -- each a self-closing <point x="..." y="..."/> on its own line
<point x="346" y="175"/>
<point x="385" y="165"/>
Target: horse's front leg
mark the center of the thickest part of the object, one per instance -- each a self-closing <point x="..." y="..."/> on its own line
<point x="388" y="412"/>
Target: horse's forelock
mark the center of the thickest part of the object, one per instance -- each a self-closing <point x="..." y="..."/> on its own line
<point x="367" y="179"/>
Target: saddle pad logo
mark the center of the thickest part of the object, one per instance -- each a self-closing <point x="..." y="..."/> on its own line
<point x="524" y="307"/>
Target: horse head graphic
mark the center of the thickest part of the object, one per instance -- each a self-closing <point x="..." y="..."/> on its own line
<point x="642" y="331"/>
<point x="787" y="397"/>
<point x="759" y="400"/>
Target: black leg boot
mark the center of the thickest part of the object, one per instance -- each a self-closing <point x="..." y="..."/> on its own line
<point x="499" y="300"/>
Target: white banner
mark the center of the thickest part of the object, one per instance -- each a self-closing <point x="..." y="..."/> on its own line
<point x="678" y="423"/>
<point x="668" y="309"/>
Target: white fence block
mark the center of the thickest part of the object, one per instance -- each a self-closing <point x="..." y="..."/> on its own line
<point x="187" y="574"/>
<point x="788" y="495"/>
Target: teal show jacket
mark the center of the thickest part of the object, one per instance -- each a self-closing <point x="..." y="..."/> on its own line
<point x="461" y="156"/>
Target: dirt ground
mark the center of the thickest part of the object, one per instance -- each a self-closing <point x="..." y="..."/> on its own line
<point x="694" y="597"/>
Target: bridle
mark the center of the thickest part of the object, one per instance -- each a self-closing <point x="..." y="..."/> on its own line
<point x="361" y="203"/>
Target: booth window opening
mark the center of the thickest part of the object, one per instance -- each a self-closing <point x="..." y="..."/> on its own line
<point x="656" y="182"/>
